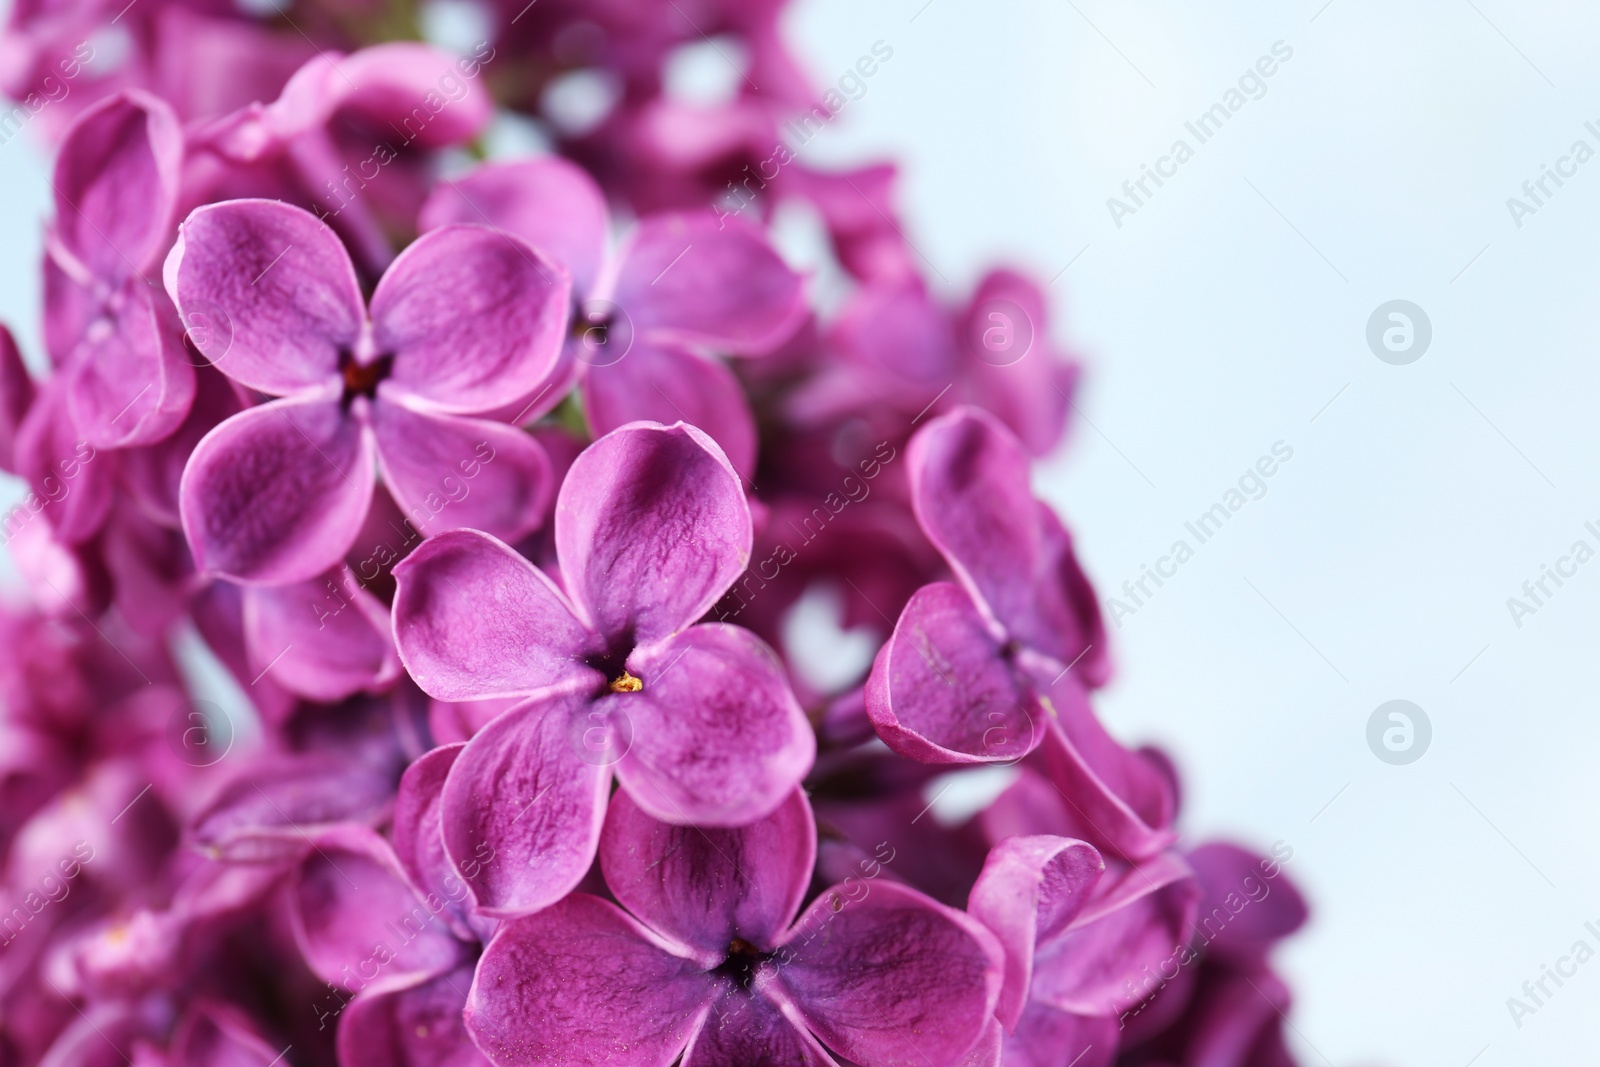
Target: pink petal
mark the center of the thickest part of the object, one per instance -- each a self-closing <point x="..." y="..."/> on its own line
<point x="116" y="184"/>
<point x="16" y="396"/>
<point x="969" y="479"/>
<point x="718" y="738"/>
<point x="212" y="1034"/>
<point x="276" y="494"/>
<point x="131" y="380"/>
<point x="419" y="839"/>
<point x="1244" y="909"/>
<point x="742" y="1029"/>
<point x="663" y="383"/>
<point x="71" y="481"/>
<point x="581" y="984"/>
<point x="521" y="811"/>
<point x="652" y="528"/>
<point x="548" y="202"/>
<point x="449" y="472"/>
<point x="274" y="287"/>
<point x="1031" y="887"/>
<point x="1140" y="920"/>
<point x="1121" y="800"/>
<point x="474" y="620"/>
<point x="420" y="1026"/>
<point x="889" y="976"/>
<point x="706" y="887"/>
<point x="701" y="280"/>
<point x="359" y="923"/>
<point x="1050" y="1038"/>
<point x="471" y="317"/>
<point x="940" y="690"/>
<point x="324" y="639"/>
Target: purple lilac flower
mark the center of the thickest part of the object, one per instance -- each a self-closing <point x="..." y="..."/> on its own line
<point x="710" y="959"/>
<point x="651" y="527"/>
<point x="682" y="286"/>
<point x="277" y="493"/>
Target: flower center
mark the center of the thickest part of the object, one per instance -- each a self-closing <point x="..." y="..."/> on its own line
<point x="743" y="961"/>
<point x="361" y="379"/>
<point x="625" y="683"/>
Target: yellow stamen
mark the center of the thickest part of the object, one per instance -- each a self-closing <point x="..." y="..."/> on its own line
<point x="626" y="683"/>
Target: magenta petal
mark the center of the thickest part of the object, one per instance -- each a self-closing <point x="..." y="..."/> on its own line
<point x="521" y="812"/>
<point x="324" y="639"/>
<point x="1050" y="1038"/>
<point x="72" y="483"/>
<point x="706" y="281"/>
<point x="971" y="494"/>
<point x="359" y="923"/>
<point x="1122" y="800"/>
<point x="718" y="738"/>
<point x="706" y="887"/>
<point x="267" y="815"/>
<point x="548" y="202"/>
<point x="664" y="383"/>
<point x="1246" y="902"/>
<point x="742" y="1029"/>
<point x="420" y="1026"/>
<point x="471" y="317"/>
<point x="940" y="690"/>
<point x="1030" y="888"/>
<point x="131" y="380"/>
<point x="889" y="976"/>
<point x="277" y="493"/>
<point x="450" y="472"/>
<point x="418" y="839"/>
<point x="116" y="183"/>
<point x="474" y="620"/>
<point x="652" y="528"/>
<point x="16" y="396"/>
<point x="582" y="984"/>
<point x="1141" y="918"/>
<point x="969" y="479"/>
<point x="274" y="289"/>
<point x="216" y="1035"/>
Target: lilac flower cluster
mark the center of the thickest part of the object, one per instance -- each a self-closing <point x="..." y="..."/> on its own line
<point x="497" y="488"/>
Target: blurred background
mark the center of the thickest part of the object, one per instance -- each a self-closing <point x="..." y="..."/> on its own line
<point x="1357" y="272"/>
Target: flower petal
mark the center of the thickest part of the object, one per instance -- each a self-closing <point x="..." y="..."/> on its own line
<point x="1139" y="921"/>
<point x="471" y="317"/>
<point x="474" y="620"/>
<point x="116" y="183"/>
<point x="940" y="690"/>
<point x="521" y="812"/>
<point x="1050" y="1038"/>
<point x="718" y="738"/>
<point x="741" y="1029"/>
<point x="359" y="923"/>
<point x="1031" y="887"/>
<point x="970" y="490"/>
<point x="420" y="1026"/>
<point x="583" y="984"/>
<point x="16" y="396"/>
<point x="277" y="493"/>
<point x="131" y="382"/>
<point x="548" y="202"/>
<point x="1122" y="800"/>
<point x="652" y="528"/>
<point x="664" y="383"/>
<point x="889" y="976"/>
<point x="1244" y="907"/>
<point x="324" y="639"/>
<point x="706" y="887"/>
<point x="449" y="472"/>
<point x="273" y="287"/>
<point x="701" y="280"/>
